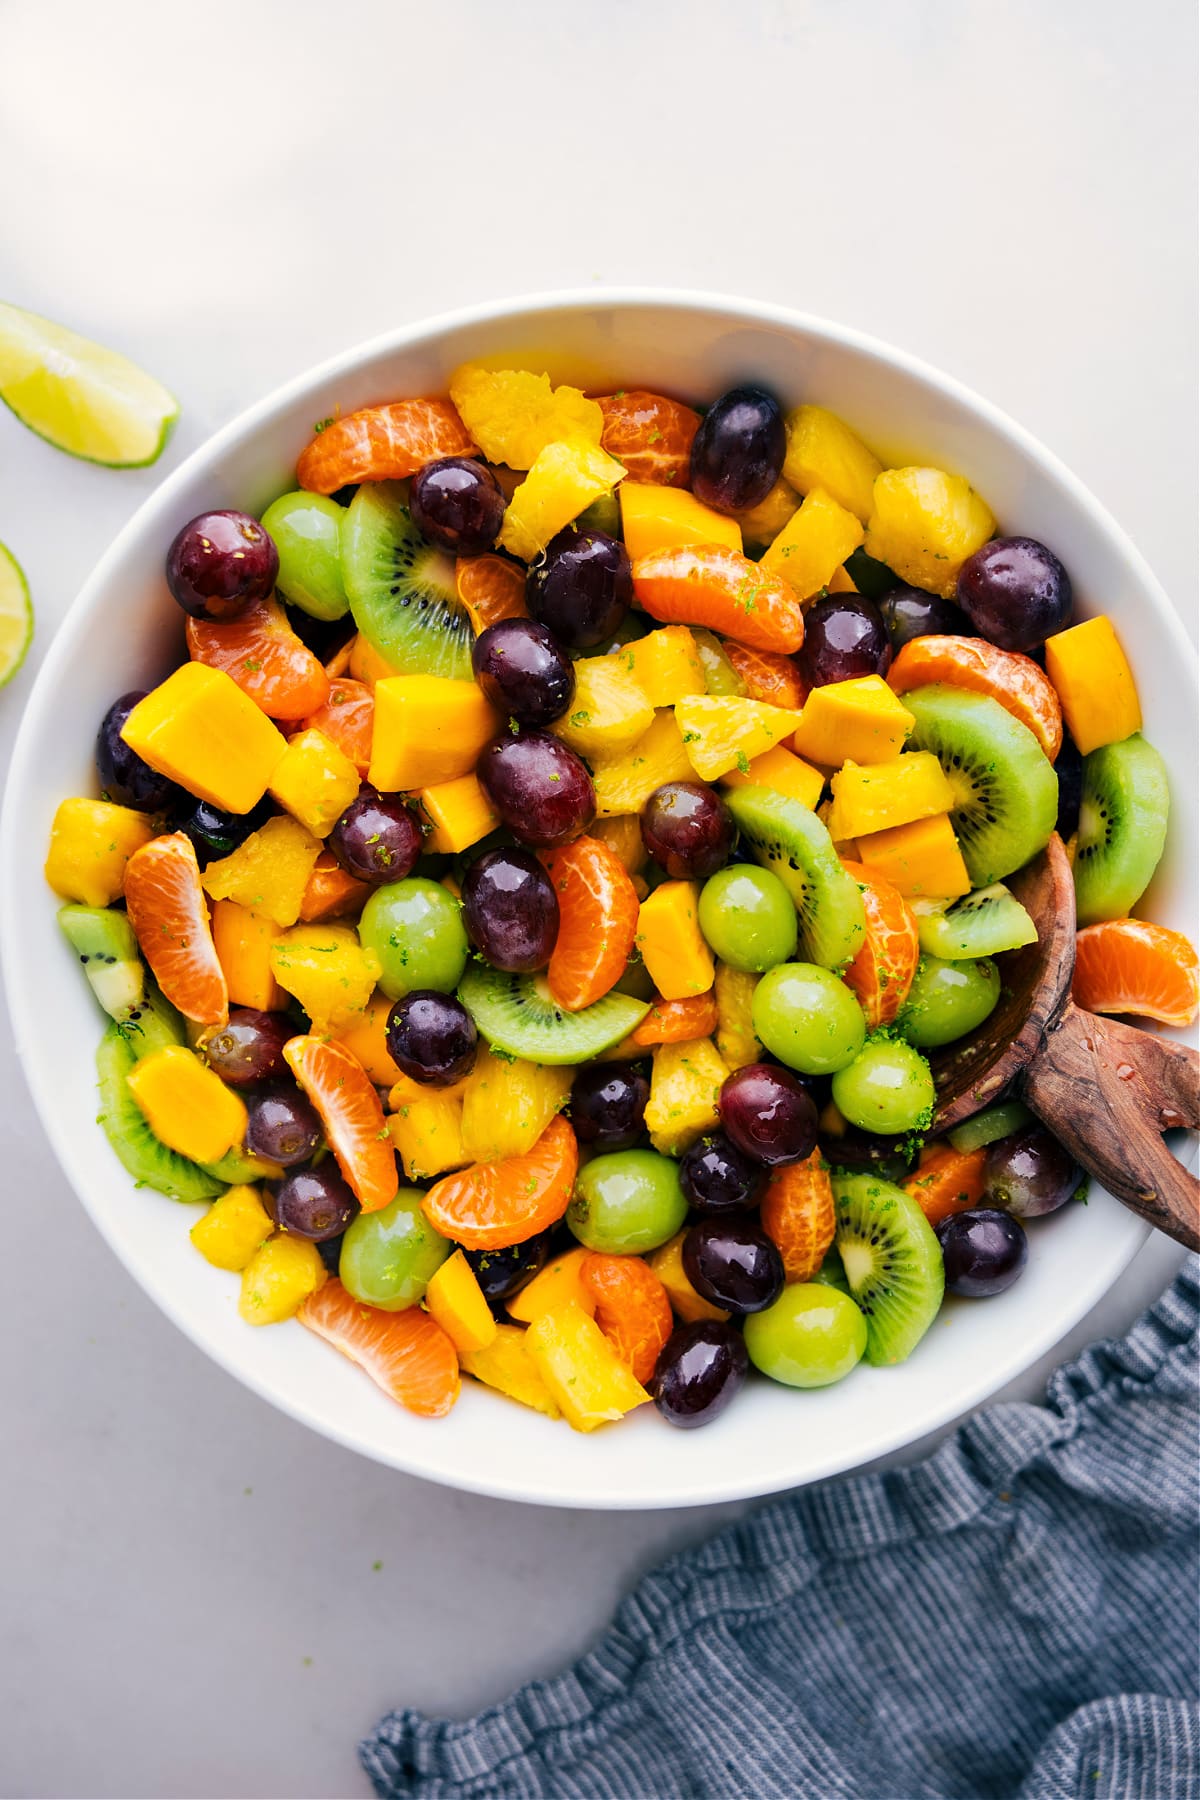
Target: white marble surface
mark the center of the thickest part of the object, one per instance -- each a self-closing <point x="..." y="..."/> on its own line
<point x="197" y="1597"/>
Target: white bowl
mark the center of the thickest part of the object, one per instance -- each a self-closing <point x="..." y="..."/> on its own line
<point x="123" y="631"/>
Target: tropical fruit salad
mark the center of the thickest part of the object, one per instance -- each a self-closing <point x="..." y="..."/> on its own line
<point x="527" y="913"/>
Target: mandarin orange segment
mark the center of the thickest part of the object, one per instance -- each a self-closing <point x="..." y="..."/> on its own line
<point x="798" y="1215"/>
<point x="348" y="719"/>
<point x="351" y="1115"/>
<point x="169" y="915"/>
<point x="382" y="443"/>
<point x="675" y="1021"/>
<point x="649" y="434"/>
<point x="946" y="1181"/>
<point x="406" y="1353"/>
<point x="598" y="918"/>
<point x="768" y="676"/>
<point x="1013" y="680"/>
<point x="882" y="971"/>
<point x="491" y="588"/>
<point x="260" y="651"/>
<point x="633" y="1309"/>
<point x="493" y="1205"/>
<point x="1131" y="966"/>
<point x="713" y="585"/>
<point x="331" y="892"/>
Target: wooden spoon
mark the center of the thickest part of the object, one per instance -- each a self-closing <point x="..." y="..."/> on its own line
<point x="1106" y="1090"/>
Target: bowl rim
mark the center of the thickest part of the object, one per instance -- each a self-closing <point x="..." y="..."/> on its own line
<point x="725" y="1484"/>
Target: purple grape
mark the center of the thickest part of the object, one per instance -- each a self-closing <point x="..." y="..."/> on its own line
<point x="313" y="1203"/>
<point x="283" y="1125"/>
<point x="909" y="613"/>
<point x="844" y="637"/>
<point x="377" y="838"/>
<point x="1068" y="766"/>
<point x="769" y="1114"/>
<point x="510" y="910"/>
<point x="458" y="505"/>
<point x="214" y="833"/>
<point x="540" y="789"/>
<point x="1030" y="1173"/>
<point x="124" y="777"/>
<point x="608" y="1106"/>
<point x="249" y="1049"/>
<point x="688" y="829"/>
<point x="219" y="563"/>
<point x="699" y="1370"/>
<point x="732" y="1262"/>
<point x="868" y="1152"/>
<point x="523" y="671"/>
<point x="719" y="1178"/>
<point x="1015" y="592"/>
<point x="432" y="1037"/>
<point x="984" y="1251"/>
<point x="503" y="1273"/>
<point x="738" y="452"/>
<point x="581" y="587"/>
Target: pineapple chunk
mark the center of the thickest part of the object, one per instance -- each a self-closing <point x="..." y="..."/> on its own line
<point x="460" y="813"/>
<point x="186" y="1105"/>
<point x="924" y="524"/>
<point x="858" y="721"/>
<point x="456" y="1301"/>
<point x="684" y="1086"/>
<point x="506" y="1365"/>
<point x="242" y="939"/>
<point x="666" y="665"/>
<point x="686" y="1303"/>
<point x="884" y="794"/>
<point x="625" y="784"/>
<point x="782" y="770"/>
<point x="513" y="414"/>
<point x="737" y="1040"/>
<point x="366" y="663"/>
<point x="562" y="482"/>
<point x="90" y="843"/>
<point x="623" y="835"/>
<point x="609" y="711"/>
<point x="366" y="1040"/>
<point x="1095" y="684"/>
<point x="428" y="729"/>
<point x="552" y="1287"/>
<point x="507" y="1105"/>
<point x="764" y="522"/>
<point x="813" y="544"/>
<point x="677" y="959"/>
<point x="822" y="452"/>
<point x="279" y="1278"/>
<point x="581" y="1369"/>
<point x="269" y="872"/>
<point x="662" y="518"/>
<point x="314" y="781"/>
<point x="233" y="1228"/>
<point x="199" y="729"/>
<point x="721" y="733"/>
<point x="426" y="1129"/>
<point x="922" y="859"/>
<point x="329" y="973"/>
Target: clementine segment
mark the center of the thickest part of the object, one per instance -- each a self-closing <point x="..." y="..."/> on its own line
<point x="348" y="719"/>
<point x="492" y="1205"/>
<point x="406" y="1353"/>
<point x="1013" y="680"/>
<point x="713" y="585"/>
<point x="382" y="443"/>
<point x="331" y="893"/>
<point x="947" y="1181"/>
<point x="1130" y="966"/>
<point x="768" y="676"/>
<point x="633" y="1309"/>
<point x="491" y="588"/>
<point x="351" y="1115"/>
<point x="882" y="972"/>
<point x="598" y="918"/>
<point x="650" y="435"/>
<point x="677" y="1021"/>
<point x="260" y="651"/>
<point x="169" y="915"/>
<point x="797" y="1215"/>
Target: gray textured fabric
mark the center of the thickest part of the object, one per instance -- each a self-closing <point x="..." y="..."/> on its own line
<point x="1017" y="1616"/>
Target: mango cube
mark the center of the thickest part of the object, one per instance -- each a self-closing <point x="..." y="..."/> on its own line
<point x="858" y="721"/>
<point x="513" y="414"/>
<point x="924" y="524"/>
<point x="426" y="1129"/>
<point x="1095" y="684"/>
<point x="921" y="860"/>
<point x="506" y="1365"/>
<point x="233" y="1228"/>
<point x="460" y="813"/>
<point x="243" y="939"/>
<point x="583" y="1373"/>
<point x="677" y="959"/>
<point x="823" y="452"/>
<point x="269" y="873"/>
<point x="315" y="781"/>
<point x="552" y="1287"/>
<point x="198" y="728"/>
<point x="782" y="770"/>
<point x="366" y="1040"/>
<point x="722" y="732"/>
<point x="427" y="730"/>
<point x="609" y="710"/>
<point x="186" y="1105"/>
<point x="764" y="522"/>
<point x="330" y="892"/>
<point x="663" y="518"/>
<point x="686" y="1303"/>
<point x="624" y="784"/>
<point x="90" y="843"/>
<point x="684" y="1084"/>
<point x="562" y="482"/>
<point x="665" y="664"/>
<point x="329" y="973"/>
<point x="366" y="663"/>
<point x="279" y="1278"/>
<point x="456" y="1301"/>
<point x="879" y="795"/>
<point x="813" y="544"/>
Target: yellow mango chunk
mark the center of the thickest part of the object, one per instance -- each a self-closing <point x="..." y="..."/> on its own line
<point x="186" y="1105"/>
<point x="764" y="522"/>
<point x="507" y="1104"/>
<point x="242" y="939"/>
<point x="367" y="664"/>
<point x="562" y="482"/>
<point x="686" y="1303"/>
<point x="609" y="711"/>
<point x="427" y="730"/>
<point x="920" y="860"/>
<point x="813" y="544"/>
<point x="677" y="959"/>
<point x="1095" y="683"/>
<point x="329" y="972"/>
<point x="736" y="1039"/>
<point x="924" y="524"/>
<point x="623" y="835"/>
<point x="722" y="732"/>
<point x="366" y="1040"/>
<point x="506" y="1365"/>
<point x="233" y="1228"/>
<point x="90" y="843"/>
<point x="586" y="1377"/>
<point x="663" y="518"/>
<point x="199" y="729"/>
<point x="455" y="1299"/>
<point x="823" y="452"/>
<point x="624" y="784"/>
<point x="858" y="721"/>
<point x="513" y="414"/>
<point x="880" y="795"/>
<point x="315" y="782"/>
<point x="269" y="872"/>
<point x="552" y="1287"/>
<point x="782" y="770"/>
<point x="279" y="1278"/>
<point x="684" y="1084"/>
<point x="665" y="664"/>
<point x="840" y="582"/>
<point x="460" y="813"/>
<point x="426" y="1129"/>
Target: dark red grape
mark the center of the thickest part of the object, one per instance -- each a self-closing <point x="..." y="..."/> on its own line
<point x="699" y="1370"/>
<point x="313" y="1203"/>
<point x="732" y="1262"/>
<point x="249" y="1049"/>
<point x="581" y="587"/>
<point x="510" y="910"/>
<point x="687" y="828"/>
<point x="1030" y="1173"/>
<point x="523" y="671"/>
<point x="844" y="637"/>
<point x="738" y="452"/>
<point x="984" y="1251"/>
<point x="432" y="1037"/>
<point x="458" y="505"/>
<point x="608" y="1105"/>
<point x="540" y="789"/>
<point x="718" y="1178"/>
<point x="1068" y="766"/>
<point x="909" y="613"/>
<point x="124" y="777"/>
<point x="503" y="1273"/>
<point x="219" y="563"/>
<point x="867" y="1152"/>
<point x="377" y="838"/>
<point x="214" y="833"/>
<point x="283" y="1125"/>
<point x="1015" y="592"/>
<point x="769" y="1114"/>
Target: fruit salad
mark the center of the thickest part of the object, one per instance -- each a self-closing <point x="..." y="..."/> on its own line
<point x="531" y="913"/>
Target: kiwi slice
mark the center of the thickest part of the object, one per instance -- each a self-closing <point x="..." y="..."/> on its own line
<point x="237" y="1166"/>
<point x="832" y="1272"/>
<point x="401" y="589"/>
<point x="516" y="1014"/>
<point x="893" y="1263"/>
<point x="1122" y="828"/>
<point x="103" y="941"/>
<point x="980" y="924"/>
<point x="604" y="514"/>
<point x="990" y="1125"/>
<point x="1005" y="791"/>
<point x="791" y="841"/>
<point x="152" y="1026"/>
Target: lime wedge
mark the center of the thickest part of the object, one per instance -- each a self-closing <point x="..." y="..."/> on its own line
<point x="16" y="616"/>
<point x="84" y="399"/>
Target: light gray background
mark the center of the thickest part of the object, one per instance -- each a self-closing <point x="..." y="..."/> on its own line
<point x="198" y="1597"/>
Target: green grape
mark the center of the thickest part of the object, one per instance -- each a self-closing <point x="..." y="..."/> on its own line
<point x="948" y="999"/>
<point x="808" y="1018"/>
<point x="389" y="1256"/>
<point x="747" y="917"/>
<point x="811" y="1336"/>
<point x="627" y="1202"/>
<point x="888" y="1088"/>
<point x="306" y="531"/>
<point x="415" y="929"/>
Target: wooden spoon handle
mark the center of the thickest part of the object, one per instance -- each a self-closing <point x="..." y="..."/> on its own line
<point x="1109" y="1091"/>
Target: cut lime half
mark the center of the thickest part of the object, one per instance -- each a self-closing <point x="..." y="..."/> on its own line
<point x="16" y="616"/>
<point x="84" y="399"/>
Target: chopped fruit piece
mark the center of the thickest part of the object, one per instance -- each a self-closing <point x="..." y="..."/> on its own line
<point x="841" y="582"/>
<point x="279" y="1278"/>
<point x="880" y="795"/>
<point x="684" y="1086"/>
<point x="508" y="1103"/>
<point x="632" y="1308"/>
<point x="946" y="1181"/>
<point x="852" y="721"/>
<point x="650" y="436"/>
<point x="456" y="1301"/>
<point x="339" y="662"/>
<point x="406" y="1353"/>
<point x="426" y="1129"/>
<point x="623" y="835"/>
<point x="764" y="522"/>
<point x="382" y="443"/>
<point x="1095" y="683"/>
<point x="797" y="1215"/>
<point x="366" y="1040"/>
<point x="767" y="676"/>
<point x="1131" y="966"/>
<point x="588" y="1380"/>
<point x="737" y="1041"/>
<point x="187" y="1106"/>
<point x="675" y="1021"/>
<point x="658" y="518"/>
<point x="1014" y="680"/>
<point x="671" y="943"/>
<point x="920" y="859"/>
<point x="507" y="1366"/>
<point x="814" y="543"/>
<point x="722" y="733"/>
<point x="269" y="872"/>
<point x="514" y="414"/>
<point x="459" y="812"/>
<point x="626" y="783"/>
<point x="242" y="939"/>
<point x="924" y="524"/>
<point x="563" y="480"/>
<point x="665" y="664"/>
<point x="329" y="973"/>
<point x="199" y="729"/>
<point x="348" y="720"/>
<point x="427" y="730"/>
<point x="107" y="950"/>
<point x="667" y="1264"/>
<point x="314" y="781"/>
<point x="711" y="585"/>
<point x="882" y="972"/>
<point x="493" y="1205"/>
<point x="348" y="1107"/>
<point x="91" y="842"/>
<point x="822" y="452"/>
<point x="366" y="663"/>
<point x="609" y="711"/>
<point x="166" y="908"/>
<point x="491" y="588"/>
<point x="561" y="1280"/>
<point x="781" y="770"/>
<point x="598" y="921"/>
<point x="233" y="1228"/>
<point x="331" y="892"/>
<point x="262" y="654"/>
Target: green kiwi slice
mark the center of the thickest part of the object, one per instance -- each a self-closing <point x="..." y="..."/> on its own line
<point x="103" y="940"/>
<point x="516" y="1014"/>
<point x="982" y="923"/>
<point x="401" y="589"/>
<point x="152" y="1026"/>
<point x="1005" y="789"/>
<point x="832" y="1272"/>
<point x="237" y="1166"/>
<point x="893" y="1263"/>
<point x="1122" y="828"/>
<point x="791" y="841"/>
